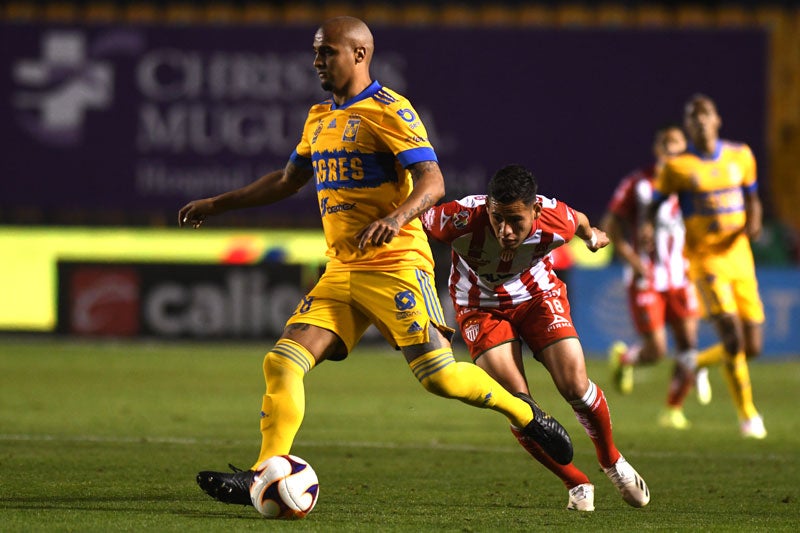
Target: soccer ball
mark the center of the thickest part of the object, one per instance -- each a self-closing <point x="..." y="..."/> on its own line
<point x="285" y="486"/>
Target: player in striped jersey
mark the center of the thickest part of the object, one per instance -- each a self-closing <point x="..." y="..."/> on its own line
<point x="505" y="293"/>
<point x="375" y="172"/>
<point x="659" y="290"/>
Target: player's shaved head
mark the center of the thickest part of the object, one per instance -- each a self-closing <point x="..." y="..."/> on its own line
<point x="351" y="30"/>
<point x="699" y="99"/>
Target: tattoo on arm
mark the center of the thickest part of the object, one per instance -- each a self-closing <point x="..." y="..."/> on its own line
<point x="426" y="201"/>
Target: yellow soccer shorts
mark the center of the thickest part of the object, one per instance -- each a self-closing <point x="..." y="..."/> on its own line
<point x="736" y="296"/>
<point x="401" y="304"/>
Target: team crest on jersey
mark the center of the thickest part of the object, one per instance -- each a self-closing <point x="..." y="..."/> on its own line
<point x="471" y="331"/>
<point x="351" y="129"/>
<point x="461" y="219"/>
<point x="316" y="132"/>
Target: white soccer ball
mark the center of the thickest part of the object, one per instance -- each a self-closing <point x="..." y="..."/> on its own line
<point x="285" y="486"/>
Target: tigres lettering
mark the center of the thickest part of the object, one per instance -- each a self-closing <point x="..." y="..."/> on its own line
<point x="338" y="169"/>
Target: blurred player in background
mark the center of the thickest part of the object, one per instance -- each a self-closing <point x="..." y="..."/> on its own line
<point x="716" y="183"/>
<point x="505" y="292"/>
<point x="375" y="173"/>
<point x="659" y="290"/>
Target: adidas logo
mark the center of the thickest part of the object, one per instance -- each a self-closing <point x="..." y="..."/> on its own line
<point x="413" y="328"/>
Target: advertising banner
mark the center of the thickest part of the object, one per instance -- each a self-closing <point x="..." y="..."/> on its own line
<point x="169" y="300"/>
<point x="600" y="310"/>
<point x="137" y="120"/>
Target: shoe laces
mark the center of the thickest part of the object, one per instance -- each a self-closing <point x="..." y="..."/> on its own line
<point x="621" y="473"/>
<point x="579" y="492"/>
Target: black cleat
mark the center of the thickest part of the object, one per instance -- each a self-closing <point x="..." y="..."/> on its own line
<point x="548" y="433"/>
<point x="228" y="488"/>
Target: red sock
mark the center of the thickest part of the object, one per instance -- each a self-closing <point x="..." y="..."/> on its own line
<point x="569" y="474"/>
<point x="592" y="412"/>
<point x="679" y="386"/>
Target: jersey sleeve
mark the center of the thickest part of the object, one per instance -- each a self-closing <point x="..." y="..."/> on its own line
<point x="749" y="182"/>
<point x="450" y="220"/>
<point x="665" y="182"/>
<point x="405" y="135"/>
<point x="558" y="218"/>
<point x="623" y="201"/>
<point x="303" y="149"/>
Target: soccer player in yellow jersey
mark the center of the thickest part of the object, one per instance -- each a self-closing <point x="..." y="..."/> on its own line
<point x="375" y="172"/>
<point x="716" y="185"/>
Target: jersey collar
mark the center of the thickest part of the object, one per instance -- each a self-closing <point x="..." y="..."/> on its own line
<point x="363" y="95"/>
<point x="717" y="150"/>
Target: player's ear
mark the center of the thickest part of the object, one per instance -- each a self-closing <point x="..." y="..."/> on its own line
<point x="537" y="209"/>
<point x="360" y="54"/>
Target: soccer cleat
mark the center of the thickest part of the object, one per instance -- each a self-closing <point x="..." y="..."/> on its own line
<point x="621" y="374"/>
<point x="548" y="433"/>
<point x="673" y="417"/>
<point x="753" y="428"/>
<point x="629" y="483"/>
<point x="703" y="386"/>
<point x="228" y="487"/>
<point x="581" y="498"/>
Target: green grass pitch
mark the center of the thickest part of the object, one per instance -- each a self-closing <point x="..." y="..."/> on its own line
<point x="108" y="436"/>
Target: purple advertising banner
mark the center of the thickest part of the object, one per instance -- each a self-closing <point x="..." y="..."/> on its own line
<point x="141" y="119"/>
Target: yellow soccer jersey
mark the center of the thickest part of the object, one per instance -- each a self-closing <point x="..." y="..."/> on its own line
<point x="711" y="191"/>
<point x="359" y="152"/>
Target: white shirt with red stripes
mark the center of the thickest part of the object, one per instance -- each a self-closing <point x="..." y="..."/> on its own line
<point x="479" y="277"/>
<point x="666" y="264"/>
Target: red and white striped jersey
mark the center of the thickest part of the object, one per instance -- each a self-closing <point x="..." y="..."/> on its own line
<point x="478" y="276"/>
<point x="666" y="263"/>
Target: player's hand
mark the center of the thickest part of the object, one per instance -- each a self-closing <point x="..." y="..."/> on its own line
<point x="753" y="229"/>
<point x="639" y="270"/>
<point x="646" y="237"/>
<point x="600" y="240"/>
<point x="195" y="212"/>
<point x="378" y="233"/>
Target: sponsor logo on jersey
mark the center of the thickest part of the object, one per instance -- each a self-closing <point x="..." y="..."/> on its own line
<point x="316" y="132"/>
<point x="415" y="327"/>
<point x="383" y="97"/>
<point x="461" y="219"/>
<point x="444" y="220"/>
<point x="351" y="129"/>
<point x="407" y="314"/>
<point x="332" y="124"/>
<point x="404" y="300"/>
<point x="558" y="322"/>
<point x="326" y="209"/>
<point x="407" y="115"/>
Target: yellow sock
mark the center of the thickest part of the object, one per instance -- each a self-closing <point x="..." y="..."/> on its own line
<point x="441" y="374"/>
<point x="712" y="356"/>
<point x="737" y="374"/>
<point x="284" y="404"/>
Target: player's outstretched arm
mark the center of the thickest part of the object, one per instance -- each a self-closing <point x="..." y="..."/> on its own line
<point x="615" y="228"/>
<point x="594" y="237"/>
<point x="267" y="189"/>
<point x="428" y="189"/>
